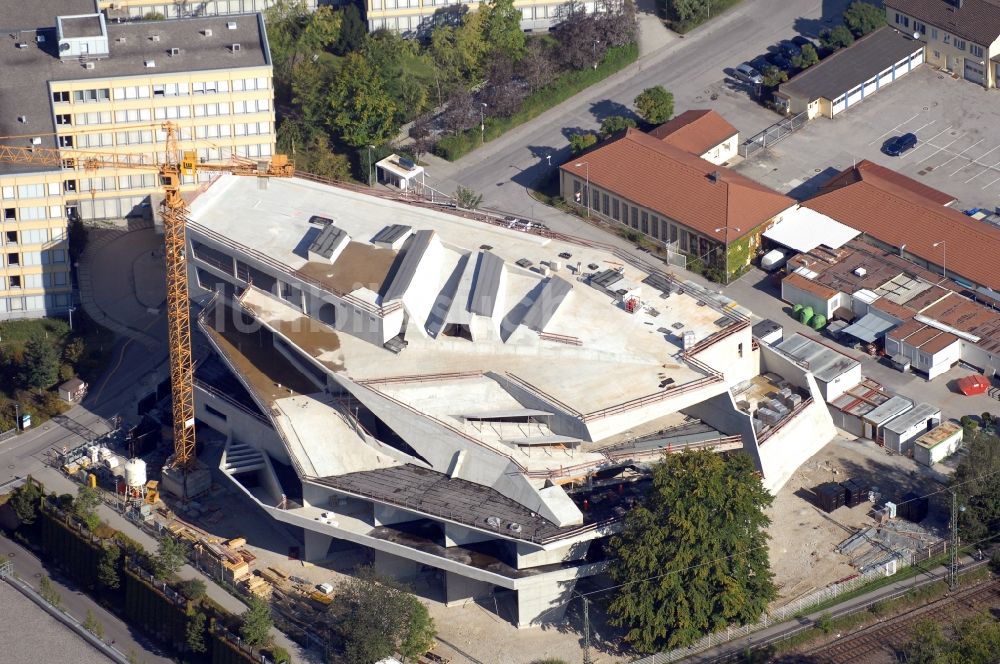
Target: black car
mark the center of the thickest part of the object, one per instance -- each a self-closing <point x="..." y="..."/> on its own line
<point x="897" y="145"/>
<point x="780" y="61"/>
<point x="789" y="49"/>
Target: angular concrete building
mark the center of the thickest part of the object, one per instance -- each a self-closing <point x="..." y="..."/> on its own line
<point x="469" y="402"/>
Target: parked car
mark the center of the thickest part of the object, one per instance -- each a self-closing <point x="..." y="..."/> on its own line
<point x="780" y="61"/>
<point x="897" y="145"/>
<point x="748" y="74"/>
<point x="789" y="49"/>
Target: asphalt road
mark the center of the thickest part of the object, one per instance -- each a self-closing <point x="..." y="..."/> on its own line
<point x="502" y="168"/>
<point x="77" y="604"/>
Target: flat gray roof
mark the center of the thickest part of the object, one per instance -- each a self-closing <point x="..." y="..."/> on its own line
<point x="882" y="413"/>
<point x="486" y="284"/>
<point x="75" y="27"/>
<point x="34" y="14"/>
<point x="23" y="89"/>
<point x="919" y="414"/>
<point x="850" y="67"/>
<point x="407" y="266"/>
<point x="824" y="362"/>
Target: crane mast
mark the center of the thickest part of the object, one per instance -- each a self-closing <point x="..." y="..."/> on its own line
<point x="183" y="476"/>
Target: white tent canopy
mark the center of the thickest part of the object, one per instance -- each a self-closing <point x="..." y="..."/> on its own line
<point x="803" y="229"/>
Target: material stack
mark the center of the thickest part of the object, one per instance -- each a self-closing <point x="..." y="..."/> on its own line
<point x="913" y="507"/>
<point x="831" y="496"/>
<point x="856" y="492"/>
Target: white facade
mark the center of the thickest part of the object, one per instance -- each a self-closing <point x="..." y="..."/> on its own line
<point x="937" y="444"/>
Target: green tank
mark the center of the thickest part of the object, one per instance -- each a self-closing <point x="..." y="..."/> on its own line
<point x="805" y="315"/>
<point x="818" y="322"/>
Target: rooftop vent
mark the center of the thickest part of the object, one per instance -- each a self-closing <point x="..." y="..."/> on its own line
<point x="231" y="25"/>
<point x="714" y="176"/>
<point x="22" y="45"/>
<point x="36" y="140"/>
<point x="121" y="40"/>
<point x="207" y="32"/>
<point x="860" y="271"/>
<point x="493" y="521"/>
<point x="515" y="527"/>
<point x="235" y="48"/>
<point x="22" y="119"/>
<point x="39" y="39"/>
<point x="149" y="64"/>
<point x="175" y="51"/>
<point x="88" y="65"/>
<point x="155" y="38"/>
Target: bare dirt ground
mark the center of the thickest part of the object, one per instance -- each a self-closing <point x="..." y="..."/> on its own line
<point x="804" y="538"/>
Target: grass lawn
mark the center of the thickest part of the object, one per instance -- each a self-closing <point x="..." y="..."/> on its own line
<point x="83" y="352"/>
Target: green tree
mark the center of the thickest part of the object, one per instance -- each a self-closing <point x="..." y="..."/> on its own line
<point x="807" y="58"/>
<point x="838" y="37"/>
<point x="192" y="589"/>
<point x="256" y="623"/>
<point x="194" y="632"/>
<point x="48" y="591"/>
<point x="25" y="502"/>
<point x="927" y="645"/>
<point x="86" y="502"/>
<point x="170" y="557"/>
<point x="382" y="618"/>
<point x="466" y="198"/>
<point x="655" y="104"/>
<point x="107" y="567"/>
<point x="773" y="76"/>
<point x="296" y="34"/>
<point x="352" y="31"/>
<point x="280" y="655"/>
<point x="977" y="483"/>
<point x="580" y="142"/>
<point x="501" y="27"/>
<point x="863" y="17"/>
<point x="92" y="625"/>
<point x="40" y="366"/>
<point x="685" y="11"/>
<point x="615" y="123"/>
<point x="692" y="557"/>
<point x="363" y="114"/>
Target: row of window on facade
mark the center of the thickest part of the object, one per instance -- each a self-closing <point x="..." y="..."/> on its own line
<point x="164" y="113"/>
<point x="204" y="8"/>
<point x="640" y="219"/>
<point x="40" y="304"/>
<point x="139" y="137"/>
<point x="31" y="212"/>
<point x="159" y="90"/>
<point x="407" y="23"/>
<point x="32" y="258"/>
<point x="945" y="38"/>
<point x="30" y="281"/>
<point x="28" y="236"/>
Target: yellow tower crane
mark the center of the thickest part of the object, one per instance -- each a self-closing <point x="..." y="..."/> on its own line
<point x="182" y="467"/>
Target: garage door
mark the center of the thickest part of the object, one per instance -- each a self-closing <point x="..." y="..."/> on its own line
<point x="975" y="72"/>
<point x="854" y="96"/>
<point x="838" y="104"/>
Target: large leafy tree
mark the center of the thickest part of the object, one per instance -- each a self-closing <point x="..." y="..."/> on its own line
<point x="363" y="113"/>
<point x="692" y="557"/>
<point x="684" y="11"/>
<point x="40" y="366"/>
<point x="977" y="483"/>
<point x="863" y="17"/>
<point x="383" y="618"/>
<point x="502" y="28"/>
<point x="838" y="37"/>
<point x="295" y="34"/>
<point x="256" y="625"/>
<point x="170" y="557"/>
<point x="655" y="104"/>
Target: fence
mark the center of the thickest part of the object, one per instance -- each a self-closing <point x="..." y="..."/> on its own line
<point x="776" y="132"/>
<point x="774" y="617"/>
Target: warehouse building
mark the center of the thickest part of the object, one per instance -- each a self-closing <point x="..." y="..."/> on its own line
<point x="845" y="78"/>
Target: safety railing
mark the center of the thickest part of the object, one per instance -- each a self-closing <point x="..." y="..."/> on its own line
<point x="785" y="420"/>
<point x="421" y="378"/>
<point x="649" y="399"/>
<point x="540" y="394"/>
<point x="560" y="338"/>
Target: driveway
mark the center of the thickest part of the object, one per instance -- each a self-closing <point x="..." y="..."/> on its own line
<point x="693" y="68"/>
<point x="955" y="122"/>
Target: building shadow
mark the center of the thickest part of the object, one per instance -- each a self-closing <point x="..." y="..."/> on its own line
<point x="830" y="16"/>
<point x="810" y="187"/>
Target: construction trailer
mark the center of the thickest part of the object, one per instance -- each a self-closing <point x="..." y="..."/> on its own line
<point x="937" y="444"/>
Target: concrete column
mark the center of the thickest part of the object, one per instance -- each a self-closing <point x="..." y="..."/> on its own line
<point x="545" y="601"/>
<point x="394" y="566"/>
<point x="317" y="545"/>
<point x="455" y="535"/>
<point x="460" y="589"/>
<point x="386" y="516"/>
<point x="529" y="555"/>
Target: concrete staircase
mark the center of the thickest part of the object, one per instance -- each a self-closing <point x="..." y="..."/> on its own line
<point x="241" y="458"/>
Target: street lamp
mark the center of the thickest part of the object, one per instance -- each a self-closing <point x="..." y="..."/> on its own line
<point x="71" y="310"/>
<point x="944" y="258"/>
<point x="586" y="189"/>
<point x="596" y="42"/>
<point x="482" y="122"/>
<point x="726" y="266"/>
<point x="586" y="627"/>
<point x="371" y="167"/>
<point x="548" y="158"/>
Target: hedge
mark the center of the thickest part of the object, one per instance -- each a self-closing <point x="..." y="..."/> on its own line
<point x="453" y="146"/>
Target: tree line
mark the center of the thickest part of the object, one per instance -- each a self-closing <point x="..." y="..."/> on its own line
<point x="340" y="90"/>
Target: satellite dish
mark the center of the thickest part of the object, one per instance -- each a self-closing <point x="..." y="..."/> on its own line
<point x="916" y="35"/>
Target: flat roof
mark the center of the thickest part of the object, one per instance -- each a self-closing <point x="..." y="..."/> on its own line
<point x="892" y="408"/>
<point x="939" y="434"/>
<point x="919" y="413"/>
<point x="23" y="89"/>
<point x="21" y="15"/>
<point x="850" y="67"/>
<point x="803" y="230"/>
<point x="81" y="26"/>
<point x="870" y="327"/>
<point x="825" y="363"/>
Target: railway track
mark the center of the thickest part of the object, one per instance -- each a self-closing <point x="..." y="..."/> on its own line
<point x="879" y="642"/>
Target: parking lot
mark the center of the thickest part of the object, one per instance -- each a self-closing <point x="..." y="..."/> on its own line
<point x="957" y="124"/>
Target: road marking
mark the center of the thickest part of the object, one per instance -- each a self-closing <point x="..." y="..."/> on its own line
<point x="944" y="147"/>
<point x="986" y="168"/>
<point x="929" y="140"/>
<point x="961" y="153"/>
<point x="975" y="161"/>
<point x="990" y="183"/>
<point x="897" y="127"/>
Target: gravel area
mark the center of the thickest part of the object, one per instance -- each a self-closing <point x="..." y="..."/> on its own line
<point x="29" y="634"/>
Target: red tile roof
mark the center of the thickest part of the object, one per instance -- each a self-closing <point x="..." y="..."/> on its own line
<point x="679" y="185"/>
<point x="695" y="131"/>
<point x="894" y="215"/>
<point x="887" y="179"/>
